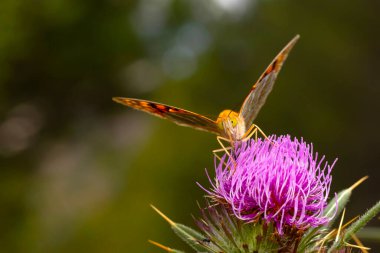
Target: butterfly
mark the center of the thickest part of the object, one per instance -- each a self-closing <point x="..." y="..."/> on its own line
<point x="231" y="125"/>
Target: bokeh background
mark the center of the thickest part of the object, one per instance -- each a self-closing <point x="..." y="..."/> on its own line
<point x="78" y="171"/>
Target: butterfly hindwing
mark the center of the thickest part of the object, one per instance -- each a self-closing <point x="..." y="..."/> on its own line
<point x="177" y="115"/>
<point x="261" y="89"/>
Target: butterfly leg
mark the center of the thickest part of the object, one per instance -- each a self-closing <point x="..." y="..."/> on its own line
<point x="254" y="130"/>
<point x="224" y="148"/>
<point x="261" y="131"/>
<point x="263" y="134"/>
<point x="217" y="156"/>
<point x="250" y="132"/>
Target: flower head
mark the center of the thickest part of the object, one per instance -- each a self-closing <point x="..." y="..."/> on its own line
<point x="278" y="180"/>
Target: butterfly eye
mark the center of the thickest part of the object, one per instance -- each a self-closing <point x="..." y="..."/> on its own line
<point x="233" y="122"/>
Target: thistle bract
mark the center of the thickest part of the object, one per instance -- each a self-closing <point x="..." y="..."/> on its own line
<point x="278" y="180"/>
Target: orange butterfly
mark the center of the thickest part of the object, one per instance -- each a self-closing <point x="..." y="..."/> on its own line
<point x="231" y="125"/>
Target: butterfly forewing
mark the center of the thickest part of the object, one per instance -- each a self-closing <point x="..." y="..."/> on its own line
<point x="261" y="89"/>
<point x="248" y="112"/>
<point x="177" y="115"/>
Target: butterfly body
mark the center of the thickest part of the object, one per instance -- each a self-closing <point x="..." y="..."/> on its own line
<point x="229" y="124"/>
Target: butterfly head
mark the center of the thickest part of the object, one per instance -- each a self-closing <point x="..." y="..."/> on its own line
<point x="232" y="124"/>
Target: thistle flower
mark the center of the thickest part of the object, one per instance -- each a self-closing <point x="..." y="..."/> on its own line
<point x="278" y="180"/>
<point x="271" y="196"/>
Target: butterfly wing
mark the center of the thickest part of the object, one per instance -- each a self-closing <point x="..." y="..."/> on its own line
<point x="261" y="89"/>
<point x="179" y="116"/>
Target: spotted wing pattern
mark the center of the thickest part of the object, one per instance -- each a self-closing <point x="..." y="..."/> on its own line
<point x="261" y="89"/>
<point x="179" y="116"/>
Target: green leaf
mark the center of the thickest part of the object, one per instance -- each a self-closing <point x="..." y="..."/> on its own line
<point x="191" y="232"/>
<point x="340" y="202"/>
<point x="336" y="205"/>
<point x="356" y="226"/>
<point x="362" y="221"/>
<point x="188" y="235"/>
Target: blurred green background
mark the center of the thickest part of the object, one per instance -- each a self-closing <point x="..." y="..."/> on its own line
<point x="78" y="171"/>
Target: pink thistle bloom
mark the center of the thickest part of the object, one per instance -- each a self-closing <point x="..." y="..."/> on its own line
<point x="278" y="180"/>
